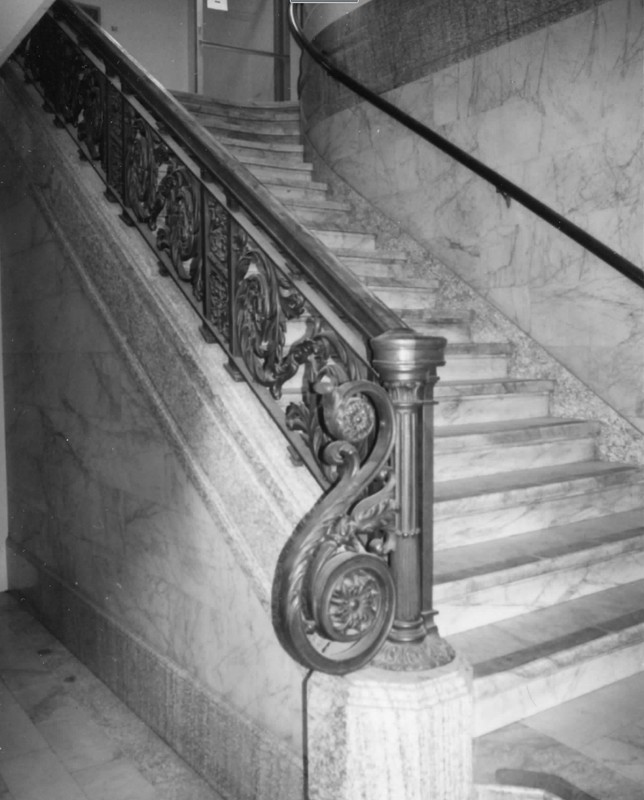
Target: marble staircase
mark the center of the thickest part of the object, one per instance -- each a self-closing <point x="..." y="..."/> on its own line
<point x="539" y="543"/>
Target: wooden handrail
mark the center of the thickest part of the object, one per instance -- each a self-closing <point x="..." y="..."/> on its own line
<point x="505" y="187"/>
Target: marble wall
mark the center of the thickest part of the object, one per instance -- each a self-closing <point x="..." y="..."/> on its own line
<point x="143" y="526"/>
<point x="558" y="111"/>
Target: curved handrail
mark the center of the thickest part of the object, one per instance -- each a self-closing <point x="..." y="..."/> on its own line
<point x="504" y="186"/>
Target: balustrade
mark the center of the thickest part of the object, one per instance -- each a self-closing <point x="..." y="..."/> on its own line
<point x="297" y="328"/>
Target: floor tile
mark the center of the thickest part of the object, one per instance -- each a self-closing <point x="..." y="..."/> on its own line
<point x="576" y="723"/>
<point x="79" y="728"/>
<point x="4" y="790"/>
<point x="118" y="780"/>
<point x="39" y="776"/>
<point x="17" y="734"/>
<point x="622" y="751"/>
<point x="77" y="740"/>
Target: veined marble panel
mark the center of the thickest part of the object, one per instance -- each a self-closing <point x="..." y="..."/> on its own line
<point x="573" y="578"/>
<point x="559" y="111"/>
<point x="489" y="523"/>
<point x="148" y="496"/>
<point x="507" y="697"/>
<point x="238" y="756"/>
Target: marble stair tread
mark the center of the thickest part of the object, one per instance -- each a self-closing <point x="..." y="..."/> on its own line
<point x="437" y="316"/>
<point x="252" y="127"/>
<point x="401" y="294"/>
<point x="462" y="570"/>
<point x="319" y="205"/>
<point x="402" y="282"/>
<point x="346" y="240"/>
<point x="489" y="490"/>
<point x="536" y="660"/>
<point x="491" y="386"/>
<point x="290" y="193"/>
<point x="473" y="409"/>
<point x="271" y="157"/>
<point x="480" y="584"/>
<point x="281" y="173"/>
<point x="376" y="264"/>
<point x="482" y="434"/>
<point x="482" y="448"/>
<point x="493" y="648"/>
<point x="277" y="176"/>
<point x="241" y="133"/>
<point x="478" y="348"/>
<point x="244" y="148"/>
<point x="261" y="110"/>
<point x="448" y="326"/>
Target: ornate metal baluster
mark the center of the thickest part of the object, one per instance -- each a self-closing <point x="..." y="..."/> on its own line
<point x="359" y="568"/>
<point x="114" y="146"/>
<point x="330" y="587"/>
<point x="219" y="249"/>
<point x="333" y="594"/>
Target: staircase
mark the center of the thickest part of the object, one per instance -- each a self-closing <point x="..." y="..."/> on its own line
<point x="540" y="546"/>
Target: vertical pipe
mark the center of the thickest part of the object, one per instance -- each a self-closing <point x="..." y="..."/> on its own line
<point x="281" y="64"/>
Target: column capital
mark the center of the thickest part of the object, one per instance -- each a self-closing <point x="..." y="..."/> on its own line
<point x="404" y="355"/>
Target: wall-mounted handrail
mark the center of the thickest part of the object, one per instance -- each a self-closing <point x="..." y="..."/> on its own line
<point x="505" y="187"/>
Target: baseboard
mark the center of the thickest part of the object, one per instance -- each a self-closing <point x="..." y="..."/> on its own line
<point x="238" y="759"/>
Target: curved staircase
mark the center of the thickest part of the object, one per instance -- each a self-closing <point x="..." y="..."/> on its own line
<point x="539" y="565"/>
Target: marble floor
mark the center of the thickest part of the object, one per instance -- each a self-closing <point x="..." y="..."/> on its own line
<point x="65" y="736"/>
<point x="594" y="743"/>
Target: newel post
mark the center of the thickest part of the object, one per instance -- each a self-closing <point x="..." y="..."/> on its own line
<point x="402" y="727"/>
<point x="406" y="363"/>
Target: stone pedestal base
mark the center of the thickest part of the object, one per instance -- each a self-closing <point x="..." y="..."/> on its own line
<point x="381" y="735"/>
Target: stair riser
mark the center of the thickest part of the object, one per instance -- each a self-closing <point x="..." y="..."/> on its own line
<point x="506" y="457"/>
<point x="252" y="128"/>
<point x="402" y="299"/>
<point x="490" y="408"/>
<point x="295" y="193"/>
<point x="250" y="114"/>
<point x="377" y="267"/>
<point x="464" y="368"/>
<point x="561" y="580"/>
<point x="522" y="698"/>
<point x="284" y="177"/>
<point x="340" y="240"/>
<point x="452" y="331"/>
<point x="217" y="129"/>
<point x="472" y="524"/>
<point x="316" y="217"/>
<point x="269" y="155"/>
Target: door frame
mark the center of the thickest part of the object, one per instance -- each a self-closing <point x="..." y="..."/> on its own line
<point x="280" y="53"/>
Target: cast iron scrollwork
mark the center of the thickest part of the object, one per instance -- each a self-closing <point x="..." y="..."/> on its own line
<point x="178" y="199"/>
<point x="265" y="302"/>
<point x="218" y="252"/>
<point x="333" y="594"/>
<point x="329" y="360"/>
<point x="163" y="194"/>
<point x="91" y="102"/>
<point x="142" y="159"/>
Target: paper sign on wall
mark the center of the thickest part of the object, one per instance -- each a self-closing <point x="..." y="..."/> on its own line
<point x="218" y="5"/>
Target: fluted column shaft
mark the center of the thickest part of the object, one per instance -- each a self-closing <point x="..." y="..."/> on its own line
<point x="406" y="363"/>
